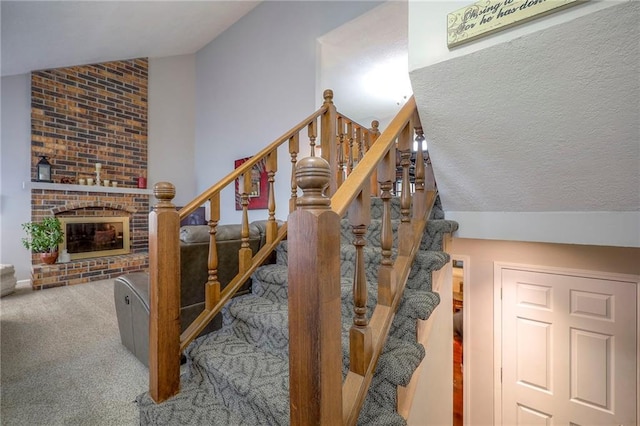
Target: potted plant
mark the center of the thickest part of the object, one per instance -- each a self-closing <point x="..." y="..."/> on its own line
<point x="44" y="237"/>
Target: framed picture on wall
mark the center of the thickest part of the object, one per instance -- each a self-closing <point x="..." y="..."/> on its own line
<point x="259" y="195"/>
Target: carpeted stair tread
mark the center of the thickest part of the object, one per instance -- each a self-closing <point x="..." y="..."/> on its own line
<point x="196" y="404"/>
<point x="373" y="235"/>
<point x="259" y="321"/>
<point x="425" y="262"/>
<point x="399" y="359"/>
<point x="240" y="374"/>
<point x="270" y="282"/>
<point x="436" y="229"/>
<point x="250" y="381"/>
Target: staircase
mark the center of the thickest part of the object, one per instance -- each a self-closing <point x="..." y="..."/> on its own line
<point x="284" y="355"/>
<point x="240" y="373"/>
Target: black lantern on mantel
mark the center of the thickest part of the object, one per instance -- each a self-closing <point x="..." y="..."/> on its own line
<point x="44" y="170"/>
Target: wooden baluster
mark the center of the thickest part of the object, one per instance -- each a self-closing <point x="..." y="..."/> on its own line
<point x="272" y="168"/>
<point x="212" y="289"/>
<point x="328" y="139"/>
<point x="245" y="254"/>
<point x="404" y="230"/>
<point x="360" y="141"/>
<point x="164" y="295"/>
<point x="341" y="162"/>
<point x="419" y="197"/>
<point x="315" y="354"/>
<point x="360" y="338"/>
<point x="372" y="136"/>
<point x="386" y="276"/>
<point x="294" y="148"/>
<point x="312" y="132"/>
<point x="350" y="136"/>
<point x="430" y="179"/>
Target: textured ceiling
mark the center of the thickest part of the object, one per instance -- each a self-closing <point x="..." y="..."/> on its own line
<point x="547" y="122"/>
<point x="50" y="34"/>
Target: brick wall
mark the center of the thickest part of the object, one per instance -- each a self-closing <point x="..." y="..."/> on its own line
<point x="81" y="116"/>
<point x="91" y="114"/>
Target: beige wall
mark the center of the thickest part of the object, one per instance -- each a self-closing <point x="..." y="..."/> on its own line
<point x="478" y="347"/>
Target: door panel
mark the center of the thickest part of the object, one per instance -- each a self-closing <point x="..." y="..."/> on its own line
<point x="569" y="350"/>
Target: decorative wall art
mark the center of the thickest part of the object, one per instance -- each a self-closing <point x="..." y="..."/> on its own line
<point x="488" y="16"/>
<point x="259" y="195"/>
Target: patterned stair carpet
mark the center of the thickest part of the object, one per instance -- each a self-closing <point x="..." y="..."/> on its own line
<point x="240" y="373"/>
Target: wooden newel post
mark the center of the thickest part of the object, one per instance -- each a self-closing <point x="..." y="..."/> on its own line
<point x="315" y="352"/>
<point x="328" y="139"/>
<point x="164" y="295"/>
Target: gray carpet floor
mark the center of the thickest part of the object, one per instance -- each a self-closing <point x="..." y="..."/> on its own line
<point x="62" y="362"/>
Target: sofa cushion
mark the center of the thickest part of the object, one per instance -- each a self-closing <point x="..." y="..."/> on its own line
<point x="200" y="233"/>
<point x="194" y="234"/>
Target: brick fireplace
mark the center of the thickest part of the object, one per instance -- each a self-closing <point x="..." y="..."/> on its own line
<point x="81" y="116"/>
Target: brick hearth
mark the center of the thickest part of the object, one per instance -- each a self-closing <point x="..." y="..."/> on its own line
<point x="78" y="200"/>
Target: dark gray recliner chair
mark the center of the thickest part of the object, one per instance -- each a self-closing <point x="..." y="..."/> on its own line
<point x="131" y="291"/>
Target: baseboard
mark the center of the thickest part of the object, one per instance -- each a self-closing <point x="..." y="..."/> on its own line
<point x="23" y="284"/>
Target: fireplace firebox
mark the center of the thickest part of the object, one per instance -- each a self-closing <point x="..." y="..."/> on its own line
<point x="86" y="237"/>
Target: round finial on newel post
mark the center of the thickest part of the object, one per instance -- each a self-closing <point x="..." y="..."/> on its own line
<point x="328" y="96"/>
<point x="312" y="176"/>
<point x="374" y="125"/>
<point x="164" y="192"/>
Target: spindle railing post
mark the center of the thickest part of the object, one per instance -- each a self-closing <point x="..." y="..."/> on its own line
<point x="315" y="354"/>
<point x="404" y="229"/>
<point x="212" y="292"/>
<point x="360" y="337"/>
<point x="272" y="168"/>
<point x="341" y="158"/>
<point x="373" y="136"/>
<point x="419" y="197"/>
<point x="245" y="254"/>
<point x="328" y="139"/>
<point x="294" y="148"/>
<point x="350" y="159"/>
<point x="386" y="276"/>
<point x="164" y="295"/>
<point x="429" y="177"/>
<point x="360" y="142"/>
<point x="313" y="134"/>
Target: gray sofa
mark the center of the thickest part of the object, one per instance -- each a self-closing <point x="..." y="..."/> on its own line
<point x="131" y="291"/>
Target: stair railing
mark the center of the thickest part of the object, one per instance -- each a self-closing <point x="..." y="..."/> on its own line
<point x="165" y="340"/>
<point x="317" y="393"/>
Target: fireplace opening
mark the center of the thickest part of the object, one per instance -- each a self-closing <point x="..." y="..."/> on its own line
<point x="86" y="237"/>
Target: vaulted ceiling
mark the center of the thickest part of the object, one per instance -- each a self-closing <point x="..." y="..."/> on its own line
<point x="50" y="34"/>
<point x="549" y="122"/>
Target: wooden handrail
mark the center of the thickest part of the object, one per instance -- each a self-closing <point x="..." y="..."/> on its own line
<point x="367" y="335"/>
<point x="355" y="161"/>
<point x="163" y="274"/>
<point x="350" y="188"/>
<point x="248" y="165"/>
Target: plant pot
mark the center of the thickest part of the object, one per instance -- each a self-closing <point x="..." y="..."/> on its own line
<point x="49" y="258"/>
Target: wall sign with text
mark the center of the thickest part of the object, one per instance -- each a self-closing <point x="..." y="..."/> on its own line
<point x="488" y="16"/>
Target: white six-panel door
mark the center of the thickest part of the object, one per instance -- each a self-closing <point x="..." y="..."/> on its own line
<point x="569" y="349"/>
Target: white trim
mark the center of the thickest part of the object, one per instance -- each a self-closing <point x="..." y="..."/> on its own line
<point x="466" y="332"/>
<point x="498" y="267"/>
<point x="619" y="229"/>
<point x="86" y="188"/>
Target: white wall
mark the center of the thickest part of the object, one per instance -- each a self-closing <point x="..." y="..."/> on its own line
<point x="255" y="82"/>
<point x="478" y="300"/>
<point x="522" y="149"/>
<point x="15" y="168"/>
<point x="171" y="123"/>
<point x="428" y="29"/>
